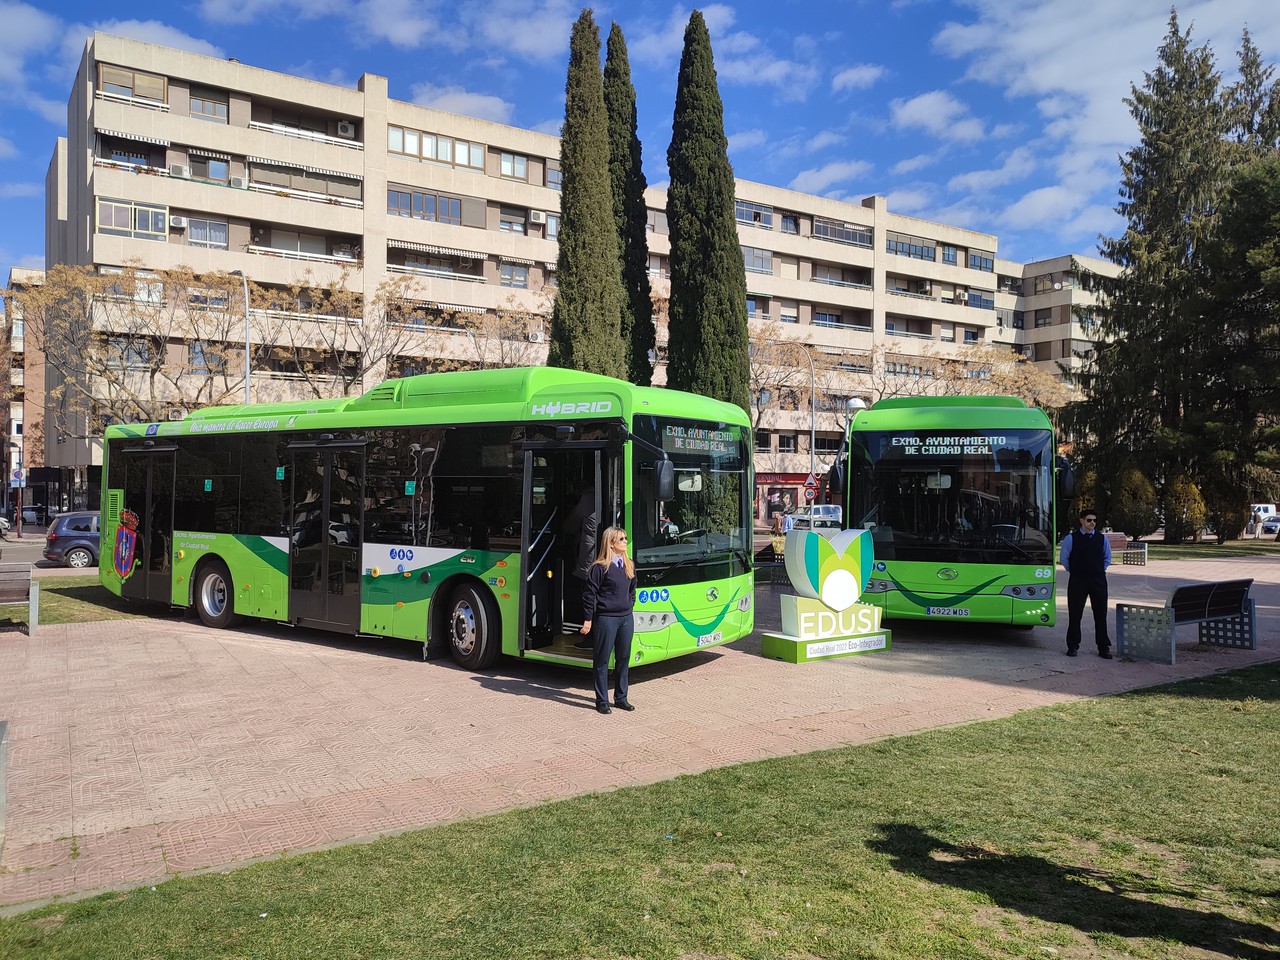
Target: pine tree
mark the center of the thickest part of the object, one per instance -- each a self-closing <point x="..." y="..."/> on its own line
<point x="626" y="175"/>
<point x="1146" y="387"/>
<point x="707" y="344"/>
<point x="586" y="319"/>
<point x="1254" y="101"/>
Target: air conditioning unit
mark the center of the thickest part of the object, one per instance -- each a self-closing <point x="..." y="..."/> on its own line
<point x="536" y="336"/>
<point x="347" y="129"/>
<point x="537" y="216"/>
<point x="178" y="223"/>
<point x="177" y="413"/>
<point x="240" y="183"/>
<point x="178" y="170"/>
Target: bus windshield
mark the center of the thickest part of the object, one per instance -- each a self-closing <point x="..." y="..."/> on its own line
<point x="955" y="496"/>
<point x="704" y="532"/>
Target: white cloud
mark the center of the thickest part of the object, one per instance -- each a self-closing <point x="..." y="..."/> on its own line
<point x="7" y="149"/>
<point x="792" y="80"/>
<point x="551" y="127"/>
<point x="820" y="178"/>
<point x="747" y="140"/>
<point x="912" y="164"/>
<point x="857" y="77"/>
<point x="457" y="100"/>
<point x="936" y="112"/>
<point x="535" y="30"/>
<point x="1017" y="165"/>
<point x="908" y="201"/>
<point x="823" y="139"/>
<point x="659" y="44"/>
<point x="1041" y="207"/>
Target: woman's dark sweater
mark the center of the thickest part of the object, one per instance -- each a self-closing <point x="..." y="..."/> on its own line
<point x="608" y="592"/>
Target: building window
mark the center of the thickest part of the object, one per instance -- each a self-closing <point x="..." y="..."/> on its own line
<point x="435" y="148"/>
<point x="299" y="242"/>
<point x="948" y="254"/>
<point x="207" y="233"/>
<point x="788" y="311"/>
<point x="971" y="336"/>
<point x="851" y="233"/>
<point x="555" y="178"/>
<point x="209" y="106"/>
<point x="132" y="353"/>
<point x="786" y="443"/>
<point x="914" y="247"/>
<point x="823" y="318"/>
<point x="304" y="181"/>
<point x="790" y="223"/>
<point x="205" y="358"/>
<point x="755" y="214"/>
<point x="1043" y="284"/>
<point x="982" y="260"/>
<point x="514" y="275"/>
<point x="133" y="155"/>
<point x="763" y="441"/>
<point x="1044" y="317"/>
<point x="143" y="221"/>
<point x="757" y="260"/>
<point x="131" y="83"/>
<point x="424" y="206"/>
<point x="210" y="168"/>
<point x="511" y="220"/>
<point x="751" y="308"/>
<point x="515" y="166"/>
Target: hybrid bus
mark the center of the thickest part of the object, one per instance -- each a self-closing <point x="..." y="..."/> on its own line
<point x="434" y="509"/>
<point x="959" y="495"/>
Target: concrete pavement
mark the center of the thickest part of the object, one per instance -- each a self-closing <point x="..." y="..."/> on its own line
<point x="138" y="750"/>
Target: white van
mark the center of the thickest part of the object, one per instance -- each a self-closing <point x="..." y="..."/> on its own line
<point x="1265" y="511"/>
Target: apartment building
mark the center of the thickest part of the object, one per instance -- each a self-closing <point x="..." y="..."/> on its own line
<point x="172" y="158"/>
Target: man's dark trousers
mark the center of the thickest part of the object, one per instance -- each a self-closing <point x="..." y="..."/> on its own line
<point x="1093" y="589"/>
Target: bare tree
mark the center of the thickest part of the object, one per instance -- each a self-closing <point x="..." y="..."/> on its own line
<point x="127" y="345"/>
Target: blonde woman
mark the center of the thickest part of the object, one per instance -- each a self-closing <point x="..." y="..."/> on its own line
<point x="607" y="601"/>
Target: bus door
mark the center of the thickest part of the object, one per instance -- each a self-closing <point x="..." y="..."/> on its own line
<point x="148" y="500"/>
<point x="326" y="535"/>
<point x="560" y="482"/>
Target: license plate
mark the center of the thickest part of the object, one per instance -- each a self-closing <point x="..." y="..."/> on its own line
<point x="709" y="638"/>
<point x="948" y="611"/>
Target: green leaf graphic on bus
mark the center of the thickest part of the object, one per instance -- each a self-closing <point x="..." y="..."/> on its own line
<point x="835" y="571"/>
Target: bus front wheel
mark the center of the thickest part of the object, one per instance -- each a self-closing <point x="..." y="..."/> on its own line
<point x="214" y="596"/>
<point x="474" y="638"/>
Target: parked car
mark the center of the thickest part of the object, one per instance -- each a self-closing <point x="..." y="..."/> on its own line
<point x="826" y="526"/>
<point x="1271" y="526"/>
<point x="72" y="539"/>
<point x="34" y="514"/>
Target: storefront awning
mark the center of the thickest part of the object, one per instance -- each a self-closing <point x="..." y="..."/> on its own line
<point x="134" y="136"/>
<point x="432" y="248"/>
<point x="268" y="161"/>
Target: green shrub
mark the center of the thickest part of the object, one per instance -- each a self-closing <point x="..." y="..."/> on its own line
<point x="1184" y="510"/>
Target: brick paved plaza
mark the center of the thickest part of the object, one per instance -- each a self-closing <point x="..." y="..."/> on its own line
<point x="159" y="747"/>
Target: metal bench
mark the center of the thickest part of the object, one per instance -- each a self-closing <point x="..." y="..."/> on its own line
<point x="1125" y="552"/>
<point x="16" y="586"/>
<point x="1224" y="612"/>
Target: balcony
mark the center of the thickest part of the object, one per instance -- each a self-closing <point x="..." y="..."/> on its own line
<point x="143" y="102"/>
<point x="434" y="272"/>
<point x="910" y="334"/>
<point x="306" y="195"/>
<point x="306" y="135"/>
<point x="300" y="255"/>
<point x="849" y="284"/>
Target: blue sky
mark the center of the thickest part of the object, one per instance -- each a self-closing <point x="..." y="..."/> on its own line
<point x="1001" y="117"/>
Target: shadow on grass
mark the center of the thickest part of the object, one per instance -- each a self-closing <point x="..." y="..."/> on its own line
<point x="1091" y="901"/>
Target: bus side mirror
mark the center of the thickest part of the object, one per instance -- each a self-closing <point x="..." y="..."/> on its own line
<point x="1066" y="480"/>
<point x="836" y="478"/>
<point x="664" y="480"/>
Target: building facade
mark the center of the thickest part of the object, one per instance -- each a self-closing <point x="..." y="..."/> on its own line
<point x="173" y="158"/>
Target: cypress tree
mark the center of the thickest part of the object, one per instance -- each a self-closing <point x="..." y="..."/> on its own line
<point x="629" y="213"/>
<point x="586" y="318"/>
<point x="707" y="342"/>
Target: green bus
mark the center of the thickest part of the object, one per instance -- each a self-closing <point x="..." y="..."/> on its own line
<point x="959" y="495"/>
<point x="434" y="509"/>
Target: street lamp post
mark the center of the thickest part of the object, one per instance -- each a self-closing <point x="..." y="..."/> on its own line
<point x="21" y="479"/>
<point x="244" y="282"/>
<point x="813" y="414"/>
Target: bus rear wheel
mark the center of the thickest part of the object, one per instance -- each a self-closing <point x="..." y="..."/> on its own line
<point x="214" y="596"/>
<point x="474" y="637"/>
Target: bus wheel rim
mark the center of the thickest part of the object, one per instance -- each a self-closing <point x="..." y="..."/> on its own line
<point x="464" y="628"/>
<point x="214" y="594"/>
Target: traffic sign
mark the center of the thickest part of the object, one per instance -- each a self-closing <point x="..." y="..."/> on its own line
<point x="810" y="493"/>
<point x="17" y="474"/>
<point x="812" y="481"/>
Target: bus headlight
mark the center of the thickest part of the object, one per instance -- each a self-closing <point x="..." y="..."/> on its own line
<point x="744" y="603"/>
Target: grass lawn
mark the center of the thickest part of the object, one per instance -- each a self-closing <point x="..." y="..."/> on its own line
<point x="79" y="600"/>
<point x="1141" y="825"/>
<point x="1262" y="547"/>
